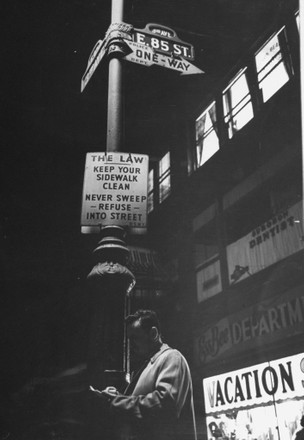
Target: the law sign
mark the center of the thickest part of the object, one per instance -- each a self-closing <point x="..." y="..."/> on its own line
<point x="115" y="190"/>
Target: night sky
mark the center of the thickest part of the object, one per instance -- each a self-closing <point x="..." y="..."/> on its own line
<point x="47" y="126"/>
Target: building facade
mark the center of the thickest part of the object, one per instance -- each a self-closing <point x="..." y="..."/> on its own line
<point x="226" y="219"/>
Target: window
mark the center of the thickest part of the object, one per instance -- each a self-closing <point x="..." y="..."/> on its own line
<point x="207" y="142"/>
<point x="164" y="177"/>
<point x="273" y="65"/>
<point x="151" y="191"/>
<point x="286" y="189"/>
<point x="237" y="104"/>
<point x="206" y="244"/>
<point x="246" y="214"/>
<point x="208" y="281"/>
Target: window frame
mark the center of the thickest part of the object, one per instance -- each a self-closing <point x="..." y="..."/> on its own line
<point x="272" y="65"/>
<point x="211" y="112"/>
<point x="164" y="174"/>
<point x="232" y="110"/>
<point x="151" y="190"/>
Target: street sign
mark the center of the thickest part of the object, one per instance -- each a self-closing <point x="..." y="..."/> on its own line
<point x="145" y="55"/>
<point x="95" y="57"/>
<point x="115" y="36"/>
<point x="115" y="190"/>
<point x="140" y="54"/>
<point x="163" y="40"/>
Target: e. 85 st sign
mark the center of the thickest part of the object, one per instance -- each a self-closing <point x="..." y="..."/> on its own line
<point x="163" y="40"/>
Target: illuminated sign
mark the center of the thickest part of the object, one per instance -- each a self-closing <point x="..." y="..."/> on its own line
<point x="260" y="384"/>
<point x="115" y="190"/>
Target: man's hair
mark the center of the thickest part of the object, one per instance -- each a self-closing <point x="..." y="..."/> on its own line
<point x="146" y="319"/>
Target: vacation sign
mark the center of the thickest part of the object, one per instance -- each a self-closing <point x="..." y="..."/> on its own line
<point x="256" y="385"/>
<point x="115" y="190"/>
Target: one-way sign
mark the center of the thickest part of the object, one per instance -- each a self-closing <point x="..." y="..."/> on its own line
<point x="145" y="55"/>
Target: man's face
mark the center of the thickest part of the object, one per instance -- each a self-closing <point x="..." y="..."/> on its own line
<point x="140" y="341"/>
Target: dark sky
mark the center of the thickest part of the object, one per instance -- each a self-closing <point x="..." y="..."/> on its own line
<point x="47" y="126"/>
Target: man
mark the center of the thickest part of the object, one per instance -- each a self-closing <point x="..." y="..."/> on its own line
<point x="158" y="402"/>
<point x="300" y="433"/>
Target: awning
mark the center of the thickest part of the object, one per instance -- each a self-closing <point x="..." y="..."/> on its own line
<point x="146" y="264"/>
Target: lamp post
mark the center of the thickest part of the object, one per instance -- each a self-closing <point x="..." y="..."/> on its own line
<point x="115" y="84"/>
<point x="110" y="280"/>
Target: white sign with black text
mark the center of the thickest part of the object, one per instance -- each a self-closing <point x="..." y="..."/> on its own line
<point x="147" y="56"/>
<point x="115" y="190"/>
<point x="256" y="385"/>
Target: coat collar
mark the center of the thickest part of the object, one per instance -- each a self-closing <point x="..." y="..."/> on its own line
<point x="163" y="348"/>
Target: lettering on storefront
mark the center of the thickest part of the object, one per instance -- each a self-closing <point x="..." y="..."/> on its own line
<point x="267" y="323"/>
<point x="255" y="385"/>
<point x="267" y="244"/>
<point x="272" y="227"/>
<point x="251" y="385"/>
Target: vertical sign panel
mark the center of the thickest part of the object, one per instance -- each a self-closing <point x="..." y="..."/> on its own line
<point x="115" y="190"/>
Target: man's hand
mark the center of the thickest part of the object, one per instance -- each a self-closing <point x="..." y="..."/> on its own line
<point x="112" y="391"/>
<point x="107" y="394"/>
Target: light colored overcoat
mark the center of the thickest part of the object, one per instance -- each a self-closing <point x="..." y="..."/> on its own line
<point x="158" y="402"/>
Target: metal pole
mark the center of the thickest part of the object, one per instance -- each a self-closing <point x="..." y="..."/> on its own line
<point x="301" y="31"/>
<point x="115" y="95"/>
<point x="109" y="280"/>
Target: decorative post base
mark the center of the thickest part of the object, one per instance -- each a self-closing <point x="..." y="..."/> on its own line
<point x="109" y="283"/>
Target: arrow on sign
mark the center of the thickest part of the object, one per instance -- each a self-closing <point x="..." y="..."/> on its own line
<point x="146" y="56"/>
<point x="179" y="64"/>
<point x="95" y="57"/>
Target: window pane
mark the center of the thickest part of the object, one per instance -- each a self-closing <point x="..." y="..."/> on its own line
<point x="164" y="177"/>
<point x="237" y="104"/>
<point x="207" y="142"/>
<point x="151" y="191"/>
<point x="208" y="281"/>
<point x="271" y="68"/>
<point x="298" y="20"/>
<point x="207" y="147"/>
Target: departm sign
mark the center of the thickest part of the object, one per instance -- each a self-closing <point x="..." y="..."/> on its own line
<point x="163" y="40"/>
<point x="115" y="190"/>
